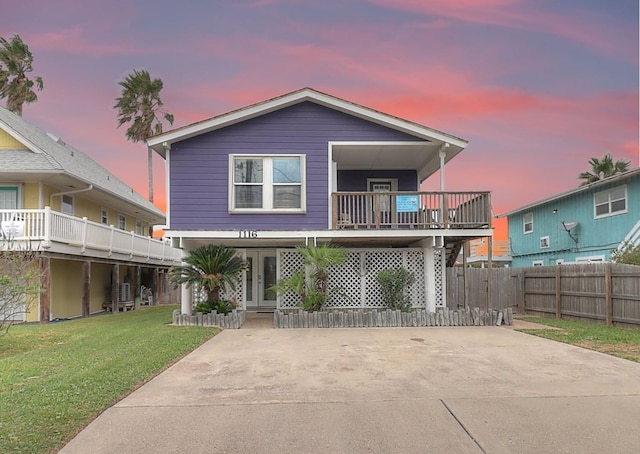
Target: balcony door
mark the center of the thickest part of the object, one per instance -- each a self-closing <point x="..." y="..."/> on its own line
<point x="261" y="275"/>
<point x="383" y="208"/>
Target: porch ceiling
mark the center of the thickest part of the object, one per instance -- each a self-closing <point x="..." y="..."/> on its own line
<point x="346" y="238"/>
<point x="422" y="156"/>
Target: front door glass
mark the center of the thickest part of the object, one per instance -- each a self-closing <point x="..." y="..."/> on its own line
<point x="261" y="275"/>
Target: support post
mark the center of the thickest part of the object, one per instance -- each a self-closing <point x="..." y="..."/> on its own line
<point x="137" y="284"/>
<point x="558" y="294"/>
<point x="156" y="286"/>
<point x="115" y="283"/>
<point x="430" y="278"/>
<point x="608" y="286"/>
<point x="489" y="270"/>
<point x="185" y="297"/>
<point x="465" y="293"/>
<point x="86" y="288"/>
<point x="45" y="295"/>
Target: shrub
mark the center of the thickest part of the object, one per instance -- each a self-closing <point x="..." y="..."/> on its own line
<point x="395" y="284"/>
<point x="220" y="306"/>
<point x="628" y="254"/>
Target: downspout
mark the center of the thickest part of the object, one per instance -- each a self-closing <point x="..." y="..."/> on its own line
<point x="74" y="191"/>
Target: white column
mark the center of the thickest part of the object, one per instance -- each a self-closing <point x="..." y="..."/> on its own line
<point x="430" y="278"/>
<point x="185" y="298"/>
<point x="442" y="154"/>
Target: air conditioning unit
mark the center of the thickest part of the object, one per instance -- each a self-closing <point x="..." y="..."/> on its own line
<point x="124" y="292"/>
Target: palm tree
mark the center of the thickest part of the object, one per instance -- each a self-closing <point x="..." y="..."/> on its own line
<point x="213" y="268"/>
<point x="15" y="62"/>
<point x="311" y="283"/>
<point x="603" y="168"/>
<point x="141" y="107"/>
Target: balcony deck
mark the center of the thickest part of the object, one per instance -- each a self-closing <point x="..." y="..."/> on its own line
<point x="55" y="232"/>
<point x="411" y="210"/>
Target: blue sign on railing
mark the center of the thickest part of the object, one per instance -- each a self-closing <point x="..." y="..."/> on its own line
<point x="407" y="203"/>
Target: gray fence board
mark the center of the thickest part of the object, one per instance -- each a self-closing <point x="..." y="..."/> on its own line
<point x="607" y="292"/>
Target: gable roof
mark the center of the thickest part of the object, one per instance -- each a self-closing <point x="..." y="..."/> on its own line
<point x="588" y="187"/>
<point x="48" y="155"/>
<point x="160" y="142"/>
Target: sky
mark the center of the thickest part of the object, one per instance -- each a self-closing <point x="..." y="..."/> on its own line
<point x="537" y="87"/>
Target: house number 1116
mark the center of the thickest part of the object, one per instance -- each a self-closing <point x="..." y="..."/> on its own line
<point x="248" y="234"/>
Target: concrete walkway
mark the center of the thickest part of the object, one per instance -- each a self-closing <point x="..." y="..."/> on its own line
<point x="378" y="390"/>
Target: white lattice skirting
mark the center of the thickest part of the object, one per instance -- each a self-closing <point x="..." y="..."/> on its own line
<point x="357" y="277"/>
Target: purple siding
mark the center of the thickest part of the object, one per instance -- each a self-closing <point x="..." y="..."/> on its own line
<point x="199" y="167"/>
<point x="356" y="180"/>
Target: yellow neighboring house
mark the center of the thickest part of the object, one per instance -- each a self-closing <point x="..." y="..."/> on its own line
<point x="89" y="226"/>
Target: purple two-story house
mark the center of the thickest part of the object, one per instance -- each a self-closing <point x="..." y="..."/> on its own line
<point x="307" y="167"/>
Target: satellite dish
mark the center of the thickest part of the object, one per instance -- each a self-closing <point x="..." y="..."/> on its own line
<point x="568" y="225"/>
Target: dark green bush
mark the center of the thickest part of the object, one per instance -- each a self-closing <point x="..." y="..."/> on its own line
<point x="395" y="283"/>
<point x="220" y="306"/>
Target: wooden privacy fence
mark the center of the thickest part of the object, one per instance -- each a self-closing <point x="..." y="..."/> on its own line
<point x="607" y="292"/>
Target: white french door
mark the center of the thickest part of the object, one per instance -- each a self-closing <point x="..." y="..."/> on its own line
<point x="261" y="274"/>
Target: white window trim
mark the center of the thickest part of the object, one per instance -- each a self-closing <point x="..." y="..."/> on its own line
<point x="120" y="218"/>
<point x="267" y="195"/>
<point x="104" y="216"/>
<point x="524" y="223"/>
<point x="559" y="261"/>
<point x="139" y="227"/>
<point x="610" y="213"/>
<point x="537" y="263"/>
<point x="544" y="242"/>
<point x="590" y="258"/>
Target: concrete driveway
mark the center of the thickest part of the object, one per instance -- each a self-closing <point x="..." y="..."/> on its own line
<point x="378" y="390"/>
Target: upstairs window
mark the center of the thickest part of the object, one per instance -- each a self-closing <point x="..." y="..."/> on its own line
<point x="66" y="204"/>
<point x="261" y="184"/>
<point x="528" y="223"/>
<point x="544" y="242"/>
<point x="122" y="222"/>
<point x="104" y="216"/>
<point x="610" y="202"/>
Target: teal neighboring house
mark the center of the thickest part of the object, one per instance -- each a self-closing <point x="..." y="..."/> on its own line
<point x="581" y="225"/>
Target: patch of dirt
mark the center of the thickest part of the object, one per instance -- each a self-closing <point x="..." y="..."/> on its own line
<point x="627" y="351"/>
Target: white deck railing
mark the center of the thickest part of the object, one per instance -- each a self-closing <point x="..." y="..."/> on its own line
<point x="48" y="228"/>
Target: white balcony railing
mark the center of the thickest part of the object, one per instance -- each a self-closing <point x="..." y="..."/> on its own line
<point x="49" y="228"/>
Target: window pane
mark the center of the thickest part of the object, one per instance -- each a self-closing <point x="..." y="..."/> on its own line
<point x="286" y="196"/>
<point x="618" y="205"/>
<point x="8" y="198"/>
<point x="602" y="209"/>
<point x="248" y="196"/>
<point x="601" y="197"/>
<point x="247" y="171"/>
<point x="286" y="170"/>
<point x="617" y="193"/>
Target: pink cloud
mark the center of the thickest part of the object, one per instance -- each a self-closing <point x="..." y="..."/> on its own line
<point x="582" y="27"/>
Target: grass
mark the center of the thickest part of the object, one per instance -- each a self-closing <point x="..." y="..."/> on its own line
<point x="612" y="340"/>
<point x="56" y="378"/>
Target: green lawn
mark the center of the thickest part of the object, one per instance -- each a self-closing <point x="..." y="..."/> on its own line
<point x="55" y="378"/>
<point x="621" y="342"/>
